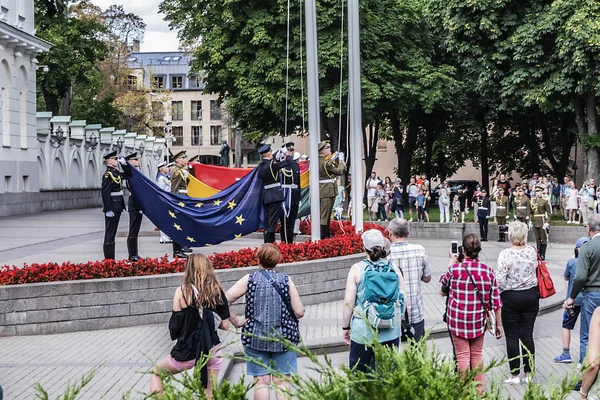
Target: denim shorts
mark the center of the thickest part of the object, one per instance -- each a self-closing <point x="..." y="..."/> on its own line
<point x="569" y="322"/>
<point x="285" y="362"/>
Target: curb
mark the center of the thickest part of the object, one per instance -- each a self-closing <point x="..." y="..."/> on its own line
<point x="331" y="345"/>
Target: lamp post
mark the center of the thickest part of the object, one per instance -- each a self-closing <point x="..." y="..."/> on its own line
<point x="119" y="144"/>
<point x="91" y="143"/>
<point x="60" y="138"/>
<point x="141" y="149"/>
<point x="167" y="122"/>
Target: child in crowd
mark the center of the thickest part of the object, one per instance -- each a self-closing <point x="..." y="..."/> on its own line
<point x="381" y="200"/>
<point x="570" y="318"/>
<point x="456" y="209"/>
<point x="421" y="206"/>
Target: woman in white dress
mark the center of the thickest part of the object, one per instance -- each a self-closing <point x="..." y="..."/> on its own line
<point x="572" y="203"/>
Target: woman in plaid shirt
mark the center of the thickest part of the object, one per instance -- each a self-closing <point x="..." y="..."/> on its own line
<point x="465" y="312"/>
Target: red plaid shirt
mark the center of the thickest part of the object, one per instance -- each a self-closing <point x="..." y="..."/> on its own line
<point x="465" y="313"/>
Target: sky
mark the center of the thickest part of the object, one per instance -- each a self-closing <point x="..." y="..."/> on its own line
<point x="157" y="37"/>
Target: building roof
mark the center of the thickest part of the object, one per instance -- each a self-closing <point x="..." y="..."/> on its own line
<point x="141" y="60"/>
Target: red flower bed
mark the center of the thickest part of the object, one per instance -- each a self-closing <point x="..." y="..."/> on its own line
<point x="344" y="242"/>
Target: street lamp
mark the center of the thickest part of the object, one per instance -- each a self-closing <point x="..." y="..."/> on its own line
<point x="91" y="143"/>
<point x="158" y="154"/>
<point x="167" y="122"/>
<point x="141" y="149"/>
<point x="119" y="144"/>
<point x="60" y="138"/>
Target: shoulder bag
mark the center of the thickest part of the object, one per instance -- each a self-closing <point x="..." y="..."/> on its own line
<point x="490" y="315"/>
<point x="277" y="288"/>
<point x="545" y="284"/>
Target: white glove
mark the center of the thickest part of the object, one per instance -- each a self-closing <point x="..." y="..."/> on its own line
<point x="110" y="214"/>
<point x="341" y="156"/>
<point x="141" y="212"/>
<point x="530" y="225"/>
<point x="526" y="217"/>
<point x="122" y="160"/>
<point x="514" y="217"/>
<point x="546" y="226"/>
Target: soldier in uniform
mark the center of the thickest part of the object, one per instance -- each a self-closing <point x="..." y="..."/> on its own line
<point x="522" y="206"/>
<point x="501" y="214"/>
<point x="179" y="181"/>
<point x="329" y="168"/>
<point x="134" y="209"/>
<point x="268" y="172"/>
<point x="541" y="211"/>
<point x="483" y="214"/>
<point x="290" y="182"/>
<point x="112" y="201"/>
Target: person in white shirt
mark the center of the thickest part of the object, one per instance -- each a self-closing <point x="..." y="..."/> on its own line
<point x="372" y="194"/>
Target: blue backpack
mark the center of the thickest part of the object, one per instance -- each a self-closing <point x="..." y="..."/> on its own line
<point x="382" y="300"/>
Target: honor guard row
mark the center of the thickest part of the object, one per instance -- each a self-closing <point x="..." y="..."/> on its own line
<point x="113" y="203"/>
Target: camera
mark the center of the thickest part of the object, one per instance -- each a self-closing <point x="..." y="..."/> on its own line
<point x="571" y="312"/>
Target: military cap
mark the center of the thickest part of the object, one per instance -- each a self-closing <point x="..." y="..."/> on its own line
<point x="162" y="164"/>
<point x="170" y="164"/>
<point x="539" y="188"/>
<point x="132" y="156"/>
<point x="181" y="154"/>
<point x="289" y="146"/>
<point x="323" y="144"/>
<point x="483" y="191"/>
<point x="194" y="159"/>
<point x="264" y="149"/>
<point x="110" y="154"/>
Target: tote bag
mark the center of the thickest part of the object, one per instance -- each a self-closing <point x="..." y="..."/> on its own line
<point x="545" y="283"/>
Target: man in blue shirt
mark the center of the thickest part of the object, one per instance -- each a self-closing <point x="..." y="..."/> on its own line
<point x="564" y="192"/>
<point x="570" y="317"/>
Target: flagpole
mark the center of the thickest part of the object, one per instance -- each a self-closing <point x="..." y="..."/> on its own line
<point x="355" y="114"/>
<point x="314" y="123"/>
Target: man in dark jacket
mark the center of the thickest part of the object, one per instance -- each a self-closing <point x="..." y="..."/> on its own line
<point x="290" y="181"/>
<point x="112" y="201"/>
<point x="268" y="172"/>
<point x="483" y="213"/>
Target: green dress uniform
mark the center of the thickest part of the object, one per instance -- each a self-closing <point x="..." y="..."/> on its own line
<point x="179" y="181"/>
<point x="328" y="170"/>
<point x="522" y="208"/>
<point x="501" y="214"/>
<point x="541" y="212"/>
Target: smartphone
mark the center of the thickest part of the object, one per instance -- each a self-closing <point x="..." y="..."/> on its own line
<point x="454" y="249"/>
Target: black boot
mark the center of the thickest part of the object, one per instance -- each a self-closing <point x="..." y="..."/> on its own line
<point x="132" y="249"/>
<point x="324" y="233"/>
<point x="187" y="249"/>
<point x="269" y="237"/>
<point x="177" y="251"/>
<point x="109" y="251"/>
<point x="543" y="247"/>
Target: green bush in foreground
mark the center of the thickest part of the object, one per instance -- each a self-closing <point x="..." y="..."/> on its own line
<point x="419" y="371"/>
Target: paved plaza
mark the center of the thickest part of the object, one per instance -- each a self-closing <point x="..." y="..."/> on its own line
<point x="124" y="356"/>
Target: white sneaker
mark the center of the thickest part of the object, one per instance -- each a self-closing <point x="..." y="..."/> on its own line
<point x="568" y="222"/>
<point x="410" y="220"/>
<point x="513" y="380"/>
<point x="527" y="379"/>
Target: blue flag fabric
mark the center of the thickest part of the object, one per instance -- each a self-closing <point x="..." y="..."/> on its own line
<point x="230" y="214"/>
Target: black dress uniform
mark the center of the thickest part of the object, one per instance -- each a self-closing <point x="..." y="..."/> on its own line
<point x="483" y="213"/>
<point x="113" y="205"/>
<point x="268" y="172"/>
<point x="290" y="181"/>
<point x="135" y="214"/>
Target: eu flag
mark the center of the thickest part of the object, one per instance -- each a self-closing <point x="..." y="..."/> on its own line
<point x="230" y="214"/>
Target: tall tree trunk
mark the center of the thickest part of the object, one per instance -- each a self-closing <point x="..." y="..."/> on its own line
<point x="591" y="167"/>
<point x="239" y="154"/>
<point x="429" y="139"/>
<point x="405" y="160"/>
<point x="65" y="106"/>
<point x="485" y="169"/>
<point x="51" y="101"/>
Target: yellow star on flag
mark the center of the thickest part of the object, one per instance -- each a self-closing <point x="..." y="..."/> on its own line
<point x="238" y="236"/>
<point x="199" y="204"/>
<point x="239" y="219"/>
<point x="231" y="204"/>
<point x="191" y="239"/>
<point x="172" y="214"/>
<point x="181" y="204"/>
<point x="217" y="202"/>
<point x="178" y="227"/>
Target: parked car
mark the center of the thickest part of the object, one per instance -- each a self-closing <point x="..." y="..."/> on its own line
<point x="455" y="186"/>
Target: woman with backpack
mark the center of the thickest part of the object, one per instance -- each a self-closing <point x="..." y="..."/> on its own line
<point x="273" y="307"/>
<point x="473" y="292"/>
<point x="373" y="278"/>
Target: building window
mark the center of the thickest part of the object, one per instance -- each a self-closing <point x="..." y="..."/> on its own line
<point x="132" y="82"/>
<point x="177" y="110"/>
<point x="158" y="111"/>
<point x="159" y="82"/>
<point x="215" y="111"/>
<point x="178" y="136"/>
<point x="177" y="82"/>
<point x="253" y="157"/>
<point x="215" y="134"/>
<point x="196" y="110"/>
<point x="196" y="82"/>
<point x="196" y="136"/>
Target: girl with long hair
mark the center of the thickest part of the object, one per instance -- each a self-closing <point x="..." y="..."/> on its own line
<point x="200" y="295"/>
